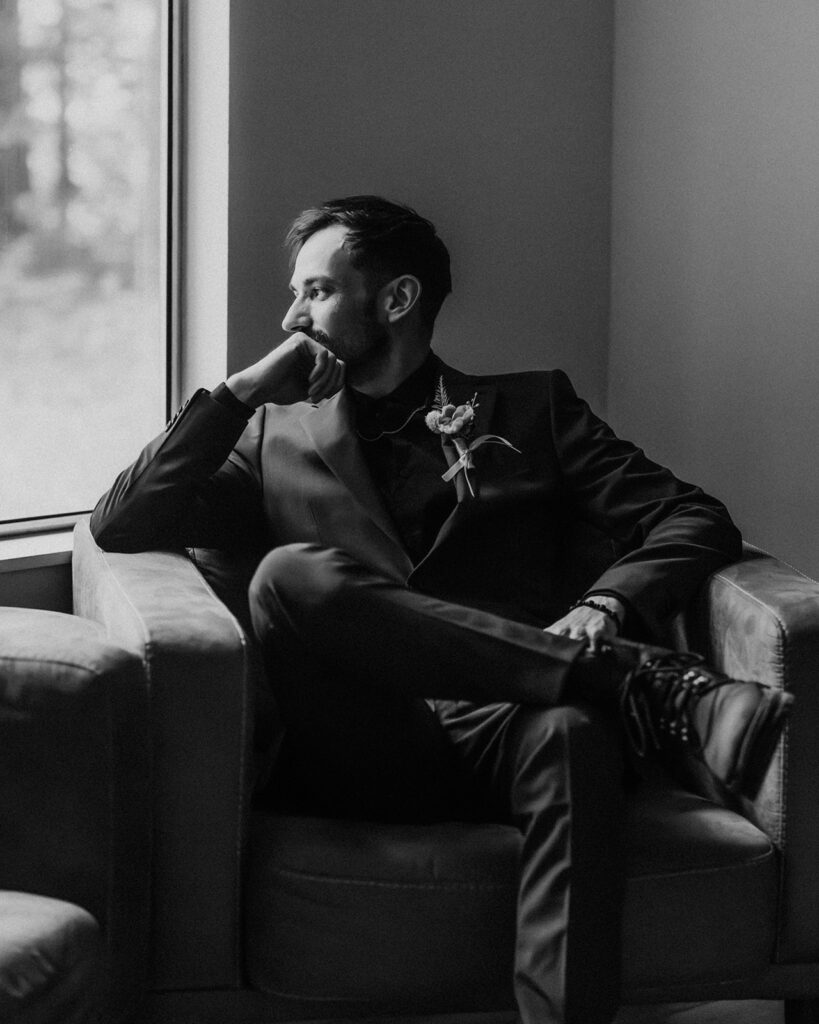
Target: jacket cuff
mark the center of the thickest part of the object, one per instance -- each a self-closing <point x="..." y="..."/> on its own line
<point x="222" y="394"/>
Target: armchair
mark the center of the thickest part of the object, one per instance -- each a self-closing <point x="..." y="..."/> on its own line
<point x="261" y="917"/>
<point x="74" y="828"/>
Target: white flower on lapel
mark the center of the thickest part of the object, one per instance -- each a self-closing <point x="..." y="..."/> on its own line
<point x="457" y="422"/>
<point x="452" y="420"/>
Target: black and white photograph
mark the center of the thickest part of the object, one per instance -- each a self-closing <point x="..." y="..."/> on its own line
<point x="408" y="566"/>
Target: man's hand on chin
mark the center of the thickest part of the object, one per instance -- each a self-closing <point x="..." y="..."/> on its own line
<point x="591" y="624"/>
<point x="297" y="370"/>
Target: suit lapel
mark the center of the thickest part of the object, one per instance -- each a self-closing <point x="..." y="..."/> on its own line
<point x="330" y="427"/>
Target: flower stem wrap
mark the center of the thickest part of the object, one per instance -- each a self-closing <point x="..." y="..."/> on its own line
<point x="465" y="461"/>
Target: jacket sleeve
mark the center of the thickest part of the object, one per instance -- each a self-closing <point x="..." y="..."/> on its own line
<point x="195" y="485"/>
<point x="672" y="534"/>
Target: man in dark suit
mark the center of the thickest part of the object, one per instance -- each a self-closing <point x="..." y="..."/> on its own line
<point x="413" y="603"/>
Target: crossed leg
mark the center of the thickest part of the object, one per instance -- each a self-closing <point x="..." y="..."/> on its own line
<point x="353" y="659"/>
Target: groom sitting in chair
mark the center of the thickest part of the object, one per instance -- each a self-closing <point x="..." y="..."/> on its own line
<point x="411" y="604"/>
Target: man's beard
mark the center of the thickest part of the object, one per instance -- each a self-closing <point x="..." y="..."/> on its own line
<point x="357" y="345"/>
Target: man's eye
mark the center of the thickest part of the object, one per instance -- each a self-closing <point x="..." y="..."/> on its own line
<point x="318" y="293"/>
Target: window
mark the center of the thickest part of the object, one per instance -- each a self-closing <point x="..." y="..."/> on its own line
<point x="84" y="166"/>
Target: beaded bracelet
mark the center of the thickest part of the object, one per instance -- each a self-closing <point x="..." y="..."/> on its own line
<point x="598" y="607"/>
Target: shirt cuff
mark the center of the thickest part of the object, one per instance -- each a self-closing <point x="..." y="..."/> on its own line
<point x="224" y="396"/>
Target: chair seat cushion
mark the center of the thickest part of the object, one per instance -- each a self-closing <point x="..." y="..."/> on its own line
<point x="412" y="917"/>
<point x="49" y="961"/>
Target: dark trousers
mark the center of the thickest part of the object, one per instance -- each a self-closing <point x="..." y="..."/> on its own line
<point x="400" y="706"/>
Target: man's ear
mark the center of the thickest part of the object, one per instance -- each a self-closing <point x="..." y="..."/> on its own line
<point x="399" y="296"/>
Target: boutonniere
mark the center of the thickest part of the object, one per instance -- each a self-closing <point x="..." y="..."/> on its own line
<point x="455" y="424"/>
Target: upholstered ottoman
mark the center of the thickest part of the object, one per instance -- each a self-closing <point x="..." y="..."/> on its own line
<point x="50" y="961"/>
<point x="74" y="823"/>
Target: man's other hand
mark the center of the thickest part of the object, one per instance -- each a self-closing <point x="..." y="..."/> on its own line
<point x="298" y="370"/>
<point x="589" y="624"/>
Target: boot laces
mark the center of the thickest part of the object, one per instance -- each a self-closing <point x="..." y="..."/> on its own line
<point x="657" y="700"/>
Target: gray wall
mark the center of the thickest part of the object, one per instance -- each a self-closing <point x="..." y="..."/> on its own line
<point x="714" y="363"/>
<point x="492" y="118"/>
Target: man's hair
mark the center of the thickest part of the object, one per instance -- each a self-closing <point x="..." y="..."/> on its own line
<point x="384" y="240"/>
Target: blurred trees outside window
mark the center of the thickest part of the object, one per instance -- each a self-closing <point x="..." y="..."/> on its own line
<point x="82" y="231"/>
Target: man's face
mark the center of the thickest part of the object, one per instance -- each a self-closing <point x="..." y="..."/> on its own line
<point x="332" y="301"/>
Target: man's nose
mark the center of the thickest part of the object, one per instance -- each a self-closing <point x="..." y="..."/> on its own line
<point x="296" y="318"/>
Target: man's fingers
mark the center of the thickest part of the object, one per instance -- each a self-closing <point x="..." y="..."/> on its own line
<point x="326" y="379"/>
<point x="319" y="365"/>
<point x="600" y="634"/>
<point x="336" y="381"/>
<point x="320" y="382"/>
<point x="322" y="368"/>
<point x="594" y="642"/>
<point x="589" y="628"/>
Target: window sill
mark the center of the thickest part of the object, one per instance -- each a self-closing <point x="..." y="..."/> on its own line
<point x="35" y="550"/>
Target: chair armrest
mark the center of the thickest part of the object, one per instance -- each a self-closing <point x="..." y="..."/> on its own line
<point x="759" y="619"/>
<point x="74" y="772"/>
<point x="157" y="605"/>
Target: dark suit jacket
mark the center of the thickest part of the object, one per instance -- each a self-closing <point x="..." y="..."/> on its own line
<point x="296" y="473"/>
